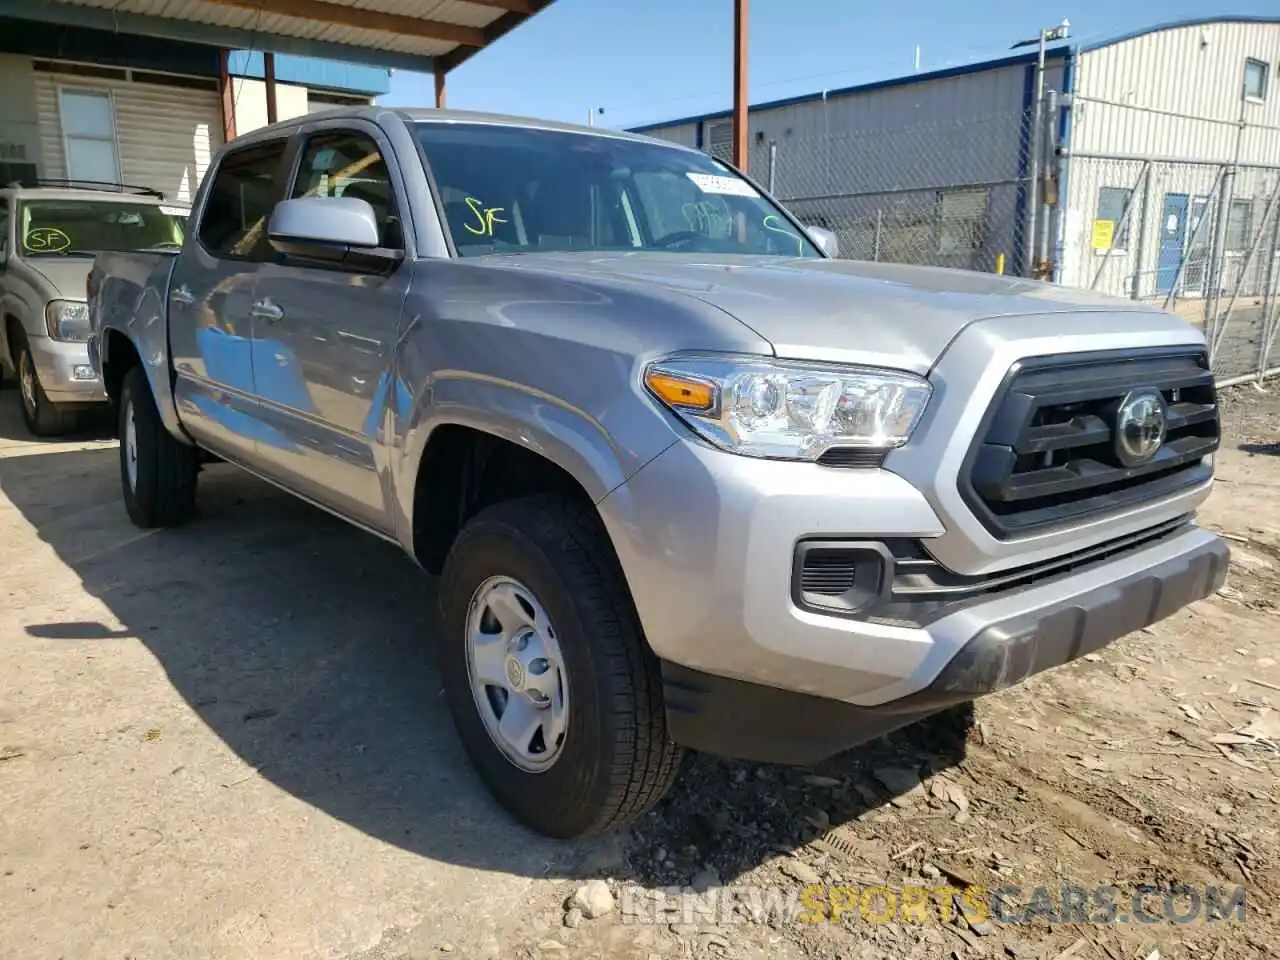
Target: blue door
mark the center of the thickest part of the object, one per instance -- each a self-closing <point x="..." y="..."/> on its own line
<point x="1173" y="235"/>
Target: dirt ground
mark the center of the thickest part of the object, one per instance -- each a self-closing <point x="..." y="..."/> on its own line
<point x="227" y="741"/>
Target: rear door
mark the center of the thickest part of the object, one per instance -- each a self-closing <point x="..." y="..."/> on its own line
<point x="211" y="297"/>
<point x="324" y="335"/>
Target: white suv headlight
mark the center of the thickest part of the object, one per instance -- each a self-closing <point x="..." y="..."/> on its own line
<point x="67" y="320"/>
<point x="789" y="410"/>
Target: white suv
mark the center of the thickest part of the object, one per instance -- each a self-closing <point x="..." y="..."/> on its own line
<point x="50" y="232"/>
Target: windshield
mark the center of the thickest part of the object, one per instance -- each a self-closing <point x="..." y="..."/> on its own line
<point x="515" y="190"/>
<point x="60" y="228"/>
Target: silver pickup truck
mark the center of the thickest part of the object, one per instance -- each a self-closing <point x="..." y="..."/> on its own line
<point x="50" y="231"/>
<point x="690" y="481"/>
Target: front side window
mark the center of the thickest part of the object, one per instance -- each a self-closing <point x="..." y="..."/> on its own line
<point x="89" y="133"/>
<point x="516" y="190"/>
<point x="4" y="229"/>
<point x="350" y="165"/>
<point x="233" y="223"/>
<point x="74" y="227"/>
<point x="1255" y="79"/>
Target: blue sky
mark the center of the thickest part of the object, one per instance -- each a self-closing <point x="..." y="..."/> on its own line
<point x="648" y="60"/>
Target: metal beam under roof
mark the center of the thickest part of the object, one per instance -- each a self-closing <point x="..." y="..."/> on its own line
<point x="419" y="35"/>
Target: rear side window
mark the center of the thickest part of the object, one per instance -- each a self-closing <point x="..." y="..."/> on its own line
<point x="234" y="221"/>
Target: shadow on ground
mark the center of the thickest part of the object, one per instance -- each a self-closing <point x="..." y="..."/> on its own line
<point x="305" y="645"/>
<point x="93" y="423"/>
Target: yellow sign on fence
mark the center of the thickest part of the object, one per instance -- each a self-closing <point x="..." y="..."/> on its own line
<point x="1104" y="233"/>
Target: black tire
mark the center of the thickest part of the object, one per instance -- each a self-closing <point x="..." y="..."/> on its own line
<point x="43" y="417"/>
<point x="164" y="492"/>
<point x="616" y="761"/>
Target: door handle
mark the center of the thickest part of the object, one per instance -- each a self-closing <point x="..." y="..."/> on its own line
<point x="182" y="295"/>
<point x="264" y="309"/>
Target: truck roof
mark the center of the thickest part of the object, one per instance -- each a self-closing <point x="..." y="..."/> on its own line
<point x="87" y="193"/>
<point x="432" y="115"/>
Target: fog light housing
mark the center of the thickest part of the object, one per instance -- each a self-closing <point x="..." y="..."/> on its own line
<point x="841" y="577"/>
<point x="82" y="371"/>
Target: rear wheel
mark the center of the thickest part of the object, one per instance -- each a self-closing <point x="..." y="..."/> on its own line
<point x="556" y="697"/>
<point x="43" y="417"/>
<point x="157" y="472"/>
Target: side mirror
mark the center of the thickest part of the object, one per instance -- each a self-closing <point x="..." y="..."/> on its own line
<point x="335" y="230"/>
<point x="825" y="239"/>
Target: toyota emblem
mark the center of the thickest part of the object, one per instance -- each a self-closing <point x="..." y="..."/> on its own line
<point x="1141" y="422"/>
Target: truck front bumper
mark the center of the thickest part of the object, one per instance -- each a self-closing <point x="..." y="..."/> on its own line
<point x="750" y="673"/>
<point x="65" y="371"/>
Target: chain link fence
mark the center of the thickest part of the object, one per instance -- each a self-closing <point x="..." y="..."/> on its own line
<point x="1200" y="239"/>
<point x="950" y="194"/>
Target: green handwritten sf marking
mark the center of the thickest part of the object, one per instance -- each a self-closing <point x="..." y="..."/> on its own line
<point x="46" y="240"/>
<point x="776" y="227"/>
<point x="485" y="216"/>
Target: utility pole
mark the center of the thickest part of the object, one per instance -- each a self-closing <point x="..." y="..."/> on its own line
<point x="1029" y="240"/>
<point x="740" y="142"/>
<point x="591" y="115"/>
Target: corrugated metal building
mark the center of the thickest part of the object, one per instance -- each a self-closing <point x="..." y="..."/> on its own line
<point x="937" y="167"/>
<point x="81" y="104"/>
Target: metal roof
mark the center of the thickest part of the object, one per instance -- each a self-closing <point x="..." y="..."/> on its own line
<point x="414" y="34"/>
<point x="1056" y="50"/>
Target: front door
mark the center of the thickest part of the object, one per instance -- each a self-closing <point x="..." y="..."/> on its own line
<point x="324" y="338"/>
<point x="1173" y="236"/>
<point x="210" y="298"/>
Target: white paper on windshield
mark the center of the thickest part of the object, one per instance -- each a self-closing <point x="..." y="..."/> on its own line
<point x="175" y="211"/>
<point x="711" y="183"/>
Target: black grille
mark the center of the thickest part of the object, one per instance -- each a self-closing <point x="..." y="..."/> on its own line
<point x="1046" y="454"/>
<point x="852" y="457"/>
<point x="829" y="572"/>
<point x="923" y="589"/>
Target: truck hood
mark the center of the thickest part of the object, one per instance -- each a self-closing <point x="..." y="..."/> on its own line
<point x="66" y="275"/>
<point x="840" y="311"/>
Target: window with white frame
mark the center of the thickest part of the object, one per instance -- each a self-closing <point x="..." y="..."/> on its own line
<point x="1112" y="202"/>
<point x="1256" y="76"/>
<point x="89" y="135"/>
<point x="1239" y="227"/>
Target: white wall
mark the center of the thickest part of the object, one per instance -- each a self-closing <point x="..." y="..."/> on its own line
<point x="19" y="120"/>
<point x="165" y="135"/>
<point x="1170" y="94"/>
<point x="1161" y="93"/>
<point x="251" y="103"/>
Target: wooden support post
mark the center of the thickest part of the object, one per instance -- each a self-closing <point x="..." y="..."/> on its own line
<point x="440" y="91"/>
<point x="226" y="96"/>
<point x="269" y="73"/>
<point x="740" y="141"/>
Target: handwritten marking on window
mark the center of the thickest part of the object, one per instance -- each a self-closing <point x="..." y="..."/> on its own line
<point x="486" y="217"/>
<point x="708" y="218"/>
<point x="773" y="223"/>
<point x="46" y="240"/>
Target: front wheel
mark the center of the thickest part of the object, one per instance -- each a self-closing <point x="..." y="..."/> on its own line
<point x="157" y="472"/>
<point x="556" y="697"/>
<point x="43" y="417"/>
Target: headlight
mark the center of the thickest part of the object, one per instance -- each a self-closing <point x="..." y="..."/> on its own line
<point x="67" y="320"/>
<point x="789" y="410"/>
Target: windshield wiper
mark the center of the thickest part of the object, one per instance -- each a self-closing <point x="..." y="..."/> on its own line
<point x="70" y="252"/>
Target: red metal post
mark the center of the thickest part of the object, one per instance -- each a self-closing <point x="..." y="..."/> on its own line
<point x="226" y="97"/>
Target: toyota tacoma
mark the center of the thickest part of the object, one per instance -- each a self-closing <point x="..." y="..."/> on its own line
<point x="689" y="480"/>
